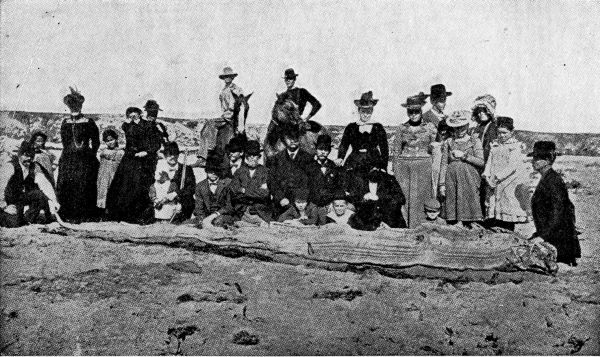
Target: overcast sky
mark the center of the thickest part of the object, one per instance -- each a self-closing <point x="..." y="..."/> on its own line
<point x="540" y="59"/>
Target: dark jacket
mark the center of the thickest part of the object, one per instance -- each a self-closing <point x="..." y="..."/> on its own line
<point x="554" y="216"/>
<point x="301" y="96"/>
<point x="315" y="215"/>
<point x="208" y="203"/>
<point x="287" y="175"/>
<point x="387" y="209"/>
<point x="486" y="139"/>
<point x="251" y="192"/>
<point x="185" y="195"/>
<point x="325" y="184"/>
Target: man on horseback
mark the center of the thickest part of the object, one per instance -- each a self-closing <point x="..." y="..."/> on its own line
<point x="229" y="125"/>
<point x="300" y="96"/>
<point x="288" y="110"/>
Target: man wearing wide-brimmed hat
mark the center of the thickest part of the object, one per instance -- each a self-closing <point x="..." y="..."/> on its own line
<point x="437" y="97"/>
<point x="226" y="126"/>
<point x="152" y="108"/>
<point x="300" y="96"/>
<point x="26" y="183"/>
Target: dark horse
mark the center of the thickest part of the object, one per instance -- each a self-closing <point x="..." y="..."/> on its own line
<point x="285" y="112"/>
<point x="208" y="133"/>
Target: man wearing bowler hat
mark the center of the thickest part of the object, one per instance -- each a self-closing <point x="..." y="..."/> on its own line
<point x="226" y="127"/>
<point x="327" y="176"/>
<point x="300" y="96"/>
<point x="437" y="97"/>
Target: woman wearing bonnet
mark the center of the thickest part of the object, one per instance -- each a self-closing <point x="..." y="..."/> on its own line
<point x="412" y="159"/>
<point x="366" y="138"/>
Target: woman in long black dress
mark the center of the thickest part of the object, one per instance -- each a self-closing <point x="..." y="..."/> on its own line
<point x="78" y="165"/>
<point x="552" y="210"/>
<point x="127" y="199"/>
<point x="367" y="139"/>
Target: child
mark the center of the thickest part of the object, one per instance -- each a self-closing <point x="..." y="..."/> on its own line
<point x="250" y="193"/>
<point x="303" y="212"/>
<point x="161" y="194"/>
<point x="340" y="213"/>
<point x="42" y="156"/>
<point x="110" y="157"/>
<point x="432" y="211"/>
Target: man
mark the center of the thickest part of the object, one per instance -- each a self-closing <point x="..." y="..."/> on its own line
<point x="228" y="126"/>
<point x="289" y="170"/>
<point x="300" y="96"/>
<point x="327" y="177"/>
<point x="234" y="158"/>
<point x="181" y="190"/>
<point x="26" y="183"/>
<point x="249" y="188"/>
<point x="213" y="195"/>
<point x="437" y="97"/>
<point x="158" y="132"/>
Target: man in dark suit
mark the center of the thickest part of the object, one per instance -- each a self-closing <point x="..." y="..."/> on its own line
<point x="213" y="196"/>
<point x="552" y="210"/>
<point x="437" y="97"/>
<point x="300" y="96"/>
<point x="327" y="177"/>
<point x="158" y="135"/>
<point x="249" y="188"/>
<point x="289" y="170"/>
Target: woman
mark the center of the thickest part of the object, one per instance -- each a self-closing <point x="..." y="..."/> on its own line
<point x="553" y="212"/>
<point x="78" y="165"/>
<point x="412" y="159"/>
<point x="128" y="195"/>
<point x="367" y="139"/>
<point x="483" y="113"/>
<point x="460" y="181"/>
<point x="506" y="173"/>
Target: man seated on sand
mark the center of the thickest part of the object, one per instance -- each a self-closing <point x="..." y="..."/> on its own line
<point x="213" y="195"/>
<point x="26" y="183"/>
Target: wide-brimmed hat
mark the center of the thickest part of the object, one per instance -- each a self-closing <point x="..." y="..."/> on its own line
<point x="545" y="150"/>
<point x="486" y="101"/>
<point x="227" y="72"/>
<point x="366" y="100"/>
<point x="438" y="91"/>
<point x="253" y="148"/>
<point x="290" y="74"/>
<point x="415" y="101"/>
<point x="152" y="105"/>
<point x="38" y="133"/>
<point x="458" y="118"/>
<point x="323" y="142"/>
<point x="505" y="122"/>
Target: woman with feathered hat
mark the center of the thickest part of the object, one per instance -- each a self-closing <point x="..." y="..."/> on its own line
<point x="78" y="165"/>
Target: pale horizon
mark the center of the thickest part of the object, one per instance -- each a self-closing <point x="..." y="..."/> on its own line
<point x="539" y="59"/>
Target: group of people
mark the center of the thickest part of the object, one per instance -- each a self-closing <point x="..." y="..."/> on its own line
<point x="444" y="172"/>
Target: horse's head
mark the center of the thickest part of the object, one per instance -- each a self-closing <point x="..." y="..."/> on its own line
<point x="240" y="100"/>
<point x="285" y="110"/>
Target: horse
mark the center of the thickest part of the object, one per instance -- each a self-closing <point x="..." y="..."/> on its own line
<point x="285" y="112"/>
<point x="208" y="133"/>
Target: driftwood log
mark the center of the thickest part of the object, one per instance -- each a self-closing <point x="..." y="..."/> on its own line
<point x="431" y="251"/>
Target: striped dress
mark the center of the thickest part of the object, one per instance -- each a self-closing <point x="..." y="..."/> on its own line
<point x="462" y="179"/>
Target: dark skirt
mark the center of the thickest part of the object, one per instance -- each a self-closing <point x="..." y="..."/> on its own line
<point x="76" y="185"/>
<point x="128" y="197"/>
